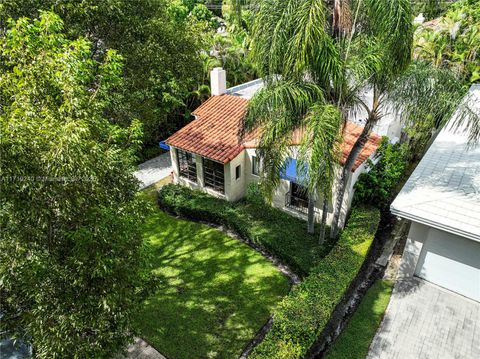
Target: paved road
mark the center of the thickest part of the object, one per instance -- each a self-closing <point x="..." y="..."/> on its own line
<point x="426" y="321"/>
<point x="154" y="170"/>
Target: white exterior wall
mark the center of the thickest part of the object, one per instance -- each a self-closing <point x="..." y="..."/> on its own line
<point x="416" y="239"/>
<point x="442" y="258"/>
<point x="237" y="189"/>
<point x="234" y="189"/>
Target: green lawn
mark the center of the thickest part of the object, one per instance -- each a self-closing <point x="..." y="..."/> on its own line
<point x="215" y="291"/>
<point x="278" y="232"/>
<point x="355" y="340"/>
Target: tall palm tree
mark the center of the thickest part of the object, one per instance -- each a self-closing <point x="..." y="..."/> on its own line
<point x="318" y="53"/>
<point x="335" y="52"/>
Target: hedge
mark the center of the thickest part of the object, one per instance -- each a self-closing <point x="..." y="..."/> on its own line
<point x="277" y="232"/>
<point x="303" y="314"/>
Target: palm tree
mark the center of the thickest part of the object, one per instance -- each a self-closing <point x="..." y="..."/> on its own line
<point x="336" y="53"/>
<point x="319" y="155"/>
<point x="317" y="53"/>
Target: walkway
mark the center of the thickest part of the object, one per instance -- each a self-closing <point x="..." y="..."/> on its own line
<point x="142" y="350"/>
<point x="426" y="321"/>
<point x="154" y="170"/>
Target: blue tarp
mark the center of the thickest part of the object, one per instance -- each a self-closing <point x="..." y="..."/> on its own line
<point x="164" y="146"/>
<point x="290" y="171"/>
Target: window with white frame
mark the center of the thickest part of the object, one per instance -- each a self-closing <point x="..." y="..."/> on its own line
<point x="187" y="166"/>
<point x="213" y="175"/>
<point x="255" y="166"/>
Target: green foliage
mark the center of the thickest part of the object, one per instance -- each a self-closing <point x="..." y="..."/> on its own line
<point x="254" y="195"/>
<point x="341" y="51"/>
<point x="215" y="292"/>
<point x="377" y="187"/>
<point x="425" y="98"/>
<point x="454" y="42"/>
<point x="161" y="55"/>
<point x="355" y="340"/>
<point x="279" y="233"/>
<point x="304" y="313"/>
<point x="430" y="9"/>
<point x="71" y="263"/>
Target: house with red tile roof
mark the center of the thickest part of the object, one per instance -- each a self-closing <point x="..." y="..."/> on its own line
<point x="211" y="154"/>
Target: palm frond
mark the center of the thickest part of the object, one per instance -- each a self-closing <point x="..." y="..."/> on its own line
<point x="426" y="91"/>
<point x="391" y="23"/>
<point x="291" y="38"/>
<point x="281" y="100"/>
<point x="319" y="152"/>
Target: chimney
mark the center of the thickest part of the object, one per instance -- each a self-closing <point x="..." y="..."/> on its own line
<point x="218" y="81"/>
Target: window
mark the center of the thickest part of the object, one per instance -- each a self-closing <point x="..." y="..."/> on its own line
<point x="255" y="166"/>
<point x="187" y="166"/>
<point x="213" y="175"/>
<point x="298" y="196"/>
<point x="238" y="171"/>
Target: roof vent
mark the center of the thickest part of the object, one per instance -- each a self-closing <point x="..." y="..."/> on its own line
<point x="218" y="81"/>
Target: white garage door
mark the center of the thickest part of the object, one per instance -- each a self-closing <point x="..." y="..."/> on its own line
<point x="451" y="262"/>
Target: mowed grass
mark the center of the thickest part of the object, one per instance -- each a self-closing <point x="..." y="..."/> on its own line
<point x="215" y="292"/>
<point x="355" y="340"/>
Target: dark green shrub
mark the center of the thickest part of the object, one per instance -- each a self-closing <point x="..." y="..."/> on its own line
<point x="377" y="187"/>
<point x="304" y="313"/>
<point x="277" y="232"/>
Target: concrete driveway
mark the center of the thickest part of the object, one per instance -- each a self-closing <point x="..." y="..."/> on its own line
<point x="154" y="170"/>
<point x="426" y="321"/>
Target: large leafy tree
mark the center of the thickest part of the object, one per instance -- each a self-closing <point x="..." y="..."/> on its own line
<point x="319" y="53"/>
<point x="161" y="62"/>
<point x="70" y="247"/>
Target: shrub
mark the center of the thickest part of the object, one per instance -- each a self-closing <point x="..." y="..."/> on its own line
<point x="377" y="187"/>
<point x="277" y="232"/>
<point x="254" y="195"/>
<point x="303" y="314"/>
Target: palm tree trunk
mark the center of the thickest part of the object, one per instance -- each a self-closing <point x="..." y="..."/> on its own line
<point x="337" y="14"/>
<point x="324" y="220"/>
<point x="311" y="214"/>
<point x="346" y="171"/>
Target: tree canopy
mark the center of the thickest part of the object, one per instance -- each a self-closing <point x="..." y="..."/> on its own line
<point x="161" y="56"/>
<point x="71" y="264"/>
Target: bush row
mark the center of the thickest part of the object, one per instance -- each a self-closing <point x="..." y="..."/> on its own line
<point x="277" y="232"/>
<point x="304" y="313"/>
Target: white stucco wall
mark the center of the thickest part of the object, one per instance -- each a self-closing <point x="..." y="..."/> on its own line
<point x="416" y="238"/>
<point x="237" y="189"/>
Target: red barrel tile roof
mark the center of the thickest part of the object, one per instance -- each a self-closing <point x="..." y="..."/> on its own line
<point x="215" y="133"/>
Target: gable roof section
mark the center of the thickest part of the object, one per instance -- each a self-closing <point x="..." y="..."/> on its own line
<point x="215" y="132"/>
<point x="444" y="190"/>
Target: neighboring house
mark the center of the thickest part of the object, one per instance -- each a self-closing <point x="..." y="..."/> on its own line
<point x="442" y="200"/>
<point x="210" y="154"/>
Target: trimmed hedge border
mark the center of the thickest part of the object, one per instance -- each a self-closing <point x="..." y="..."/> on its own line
<point x="303" y="315"/>
<point x="278" y="233"/>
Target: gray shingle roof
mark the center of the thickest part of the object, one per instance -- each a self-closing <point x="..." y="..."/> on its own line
<point x="444" y="190"/>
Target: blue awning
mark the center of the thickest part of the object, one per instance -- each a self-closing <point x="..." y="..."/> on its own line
<point x="289" y="172"/>
<point x="164" y="146"/>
